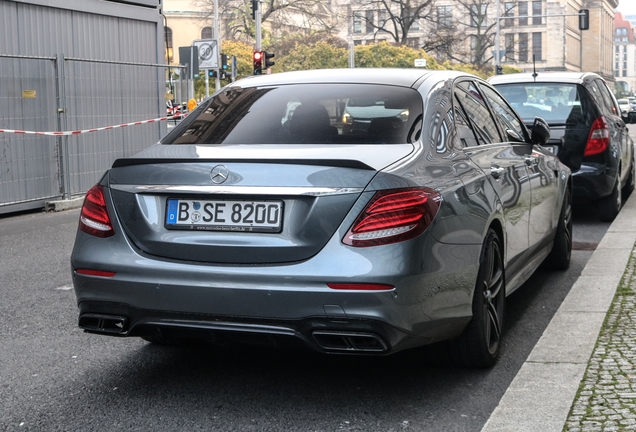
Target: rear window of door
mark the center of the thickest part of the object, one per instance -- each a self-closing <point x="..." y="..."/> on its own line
<point x="608" y="102"/>
<point x="510" y="123"/>
<point x="475" y="107"/>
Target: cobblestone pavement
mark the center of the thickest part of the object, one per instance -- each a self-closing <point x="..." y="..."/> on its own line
<point x="606" y="400"/>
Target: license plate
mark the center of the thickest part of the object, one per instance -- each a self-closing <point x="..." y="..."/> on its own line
<point x="224" y="215"/>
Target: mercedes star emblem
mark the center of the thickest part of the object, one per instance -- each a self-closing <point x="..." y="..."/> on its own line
<point x="219" y="174"/>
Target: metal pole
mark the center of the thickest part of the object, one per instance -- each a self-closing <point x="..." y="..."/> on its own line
<point x="207" y="83"/>
<point x="64" y="156"/>
<point x="217" y="35"/>
<point x="191" y="76"/>
<point x="352" y="54"/>
<point x="497" y="37"/>
<point x="257" y="21"/>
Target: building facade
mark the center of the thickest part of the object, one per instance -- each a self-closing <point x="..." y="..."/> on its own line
<point x="529" y="37"/>
<point x="624" y="54"/>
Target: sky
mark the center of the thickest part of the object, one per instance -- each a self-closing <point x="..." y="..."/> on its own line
<point x="627" y="7"/>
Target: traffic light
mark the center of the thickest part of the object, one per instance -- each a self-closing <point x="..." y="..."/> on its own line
<point x="212" y="73"/>
<point x="258" y="63"/>
<point x="584" y="19"/>
<point x="254" y="4"/>
<point x="223" y="68"/>
<point x="498" y="70"/>
<point x="268" y="56"/>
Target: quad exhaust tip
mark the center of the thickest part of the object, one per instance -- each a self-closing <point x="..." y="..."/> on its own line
<point x="349" y="342"/>
<point x="105" y="324"/>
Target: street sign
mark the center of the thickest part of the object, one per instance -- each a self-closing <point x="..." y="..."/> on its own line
<point x="502" y="53"/>
<point x="208" y="53"/>
<point x="420" y="62"/>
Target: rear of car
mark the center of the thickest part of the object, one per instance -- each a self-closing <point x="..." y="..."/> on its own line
<point x="587" y="133"/>
<point x="257" y="216"/>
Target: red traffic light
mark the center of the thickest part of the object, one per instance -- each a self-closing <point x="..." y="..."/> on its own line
<point x="258" y="55"/>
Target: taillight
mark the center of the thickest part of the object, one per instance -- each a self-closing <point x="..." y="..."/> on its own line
<point x="393" y="216"/>
<point x="599" y="137"/>
<point x="95" y="273"/>
<point x="94" y="219"/>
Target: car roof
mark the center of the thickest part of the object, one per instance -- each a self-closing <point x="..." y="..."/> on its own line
<point x="543" y="77"/>
<point x="389" y="76"/>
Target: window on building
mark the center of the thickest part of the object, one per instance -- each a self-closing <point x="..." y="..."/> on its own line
<point x="537" y="47"/>
<point x="510" y="47"/>
<point x="625" y="56"/>
<point x="416" y="24"/>
<point x="358" y="17"/>
<point x="383" y="17"/>
<point x="444" y="17"/>
<point x="369" y="21"/>
<point x="509" y="10"/>
<point x="624" y="65"/>
<point x="478" y="15"/>
<point x="206" y="33"/>
<point x="617" y="65"/>
<point x="167" y="34"/>
<point x="617" y="39"/>
<point x="616" y="73"/>
<point x="625" y="73"/>
<point x="523" y="47"/>
<point x="523" y="11"/>
<point x="624" y="39"/>
<point x="536" y="10"/>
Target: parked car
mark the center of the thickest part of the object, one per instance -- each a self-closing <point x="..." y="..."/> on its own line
<point x="261" y="216"/>
<point x="627" y="112"/>
<point x="588" y="133"/>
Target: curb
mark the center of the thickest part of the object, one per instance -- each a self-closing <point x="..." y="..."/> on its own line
<point x="541" y="394"/>
<point x="61" y="205"/>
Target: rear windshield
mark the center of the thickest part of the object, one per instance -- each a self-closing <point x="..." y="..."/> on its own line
<point x="556" y="103"/>
<point x="303" y="114"/>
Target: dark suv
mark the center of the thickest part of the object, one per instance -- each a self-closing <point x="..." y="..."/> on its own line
<point x="587" y="131"/>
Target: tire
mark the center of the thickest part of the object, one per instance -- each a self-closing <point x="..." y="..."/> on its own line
<point x="611" y="205"/>
<point x="559" y="258"/>
<point x="631" y="181"/>
<point x="479" y="345"/>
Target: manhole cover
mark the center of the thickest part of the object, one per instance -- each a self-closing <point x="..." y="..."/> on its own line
<point x="584" y="246"/>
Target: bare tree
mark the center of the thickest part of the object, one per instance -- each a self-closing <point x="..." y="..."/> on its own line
<point x="394" y="17"/>
<point x="306" y="16"/>
<point x="479" y="24"/>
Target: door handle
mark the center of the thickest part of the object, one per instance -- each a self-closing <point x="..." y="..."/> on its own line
<point x="496" y="171"/>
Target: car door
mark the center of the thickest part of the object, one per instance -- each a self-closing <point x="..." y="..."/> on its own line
<point x="504" y="167"/>
<point x="542" y="179"/>
<point x="618" y="132"/>
<point x="621" y="133"/>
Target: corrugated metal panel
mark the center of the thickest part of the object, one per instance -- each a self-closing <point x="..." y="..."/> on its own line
<point x="28" y="164"/>
<point x="97" y="94"/>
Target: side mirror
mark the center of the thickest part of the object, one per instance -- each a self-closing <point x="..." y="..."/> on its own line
<point x="540" y="131"/>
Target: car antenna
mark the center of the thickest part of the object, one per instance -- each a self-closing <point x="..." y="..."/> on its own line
<point x="534" y="68"/>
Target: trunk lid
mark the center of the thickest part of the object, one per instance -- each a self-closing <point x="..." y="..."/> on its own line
<point x="313" y="188"/>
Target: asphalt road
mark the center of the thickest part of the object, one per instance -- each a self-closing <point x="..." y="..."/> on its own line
<point x="54" y="377"/>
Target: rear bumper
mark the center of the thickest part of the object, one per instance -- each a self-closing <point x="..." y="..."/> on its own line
<point x="432" y="299"/>
<point x="327" y="334"/>
<point x="593" y="181"/>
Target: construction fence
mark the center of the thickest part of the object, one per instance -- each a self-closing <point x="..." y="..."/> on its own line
<point x="61" y="94"/>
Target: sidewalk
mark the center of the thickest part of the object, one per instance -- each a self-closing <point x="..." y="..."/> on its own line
<point x="570" y="381"/>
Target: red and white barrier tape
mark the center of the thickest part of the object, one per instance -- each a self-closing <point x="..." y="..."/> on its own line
<point x="78" y="132"/>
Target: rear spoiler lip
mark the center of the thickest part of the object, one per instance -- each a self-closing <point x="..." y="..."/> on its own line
<point x="341" y="163"/>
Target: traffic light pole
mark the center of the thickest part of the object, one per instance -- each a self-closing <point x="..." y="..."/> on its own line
<point x="217" y="35"/>
<point x="257" y="21"/>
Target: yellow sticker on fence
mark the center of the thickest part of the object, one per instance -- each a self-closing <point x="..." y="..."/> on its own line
<point x="28" y="94"/>
<point x="169" y="96"/>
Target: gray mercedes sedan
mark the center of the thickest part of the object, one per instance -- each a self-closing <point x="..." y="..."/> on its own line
<point x="360" y="211"/>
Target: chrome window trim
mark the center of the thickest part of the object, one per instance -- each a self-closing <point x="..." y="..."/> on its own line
<point x="237" y="190"/>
